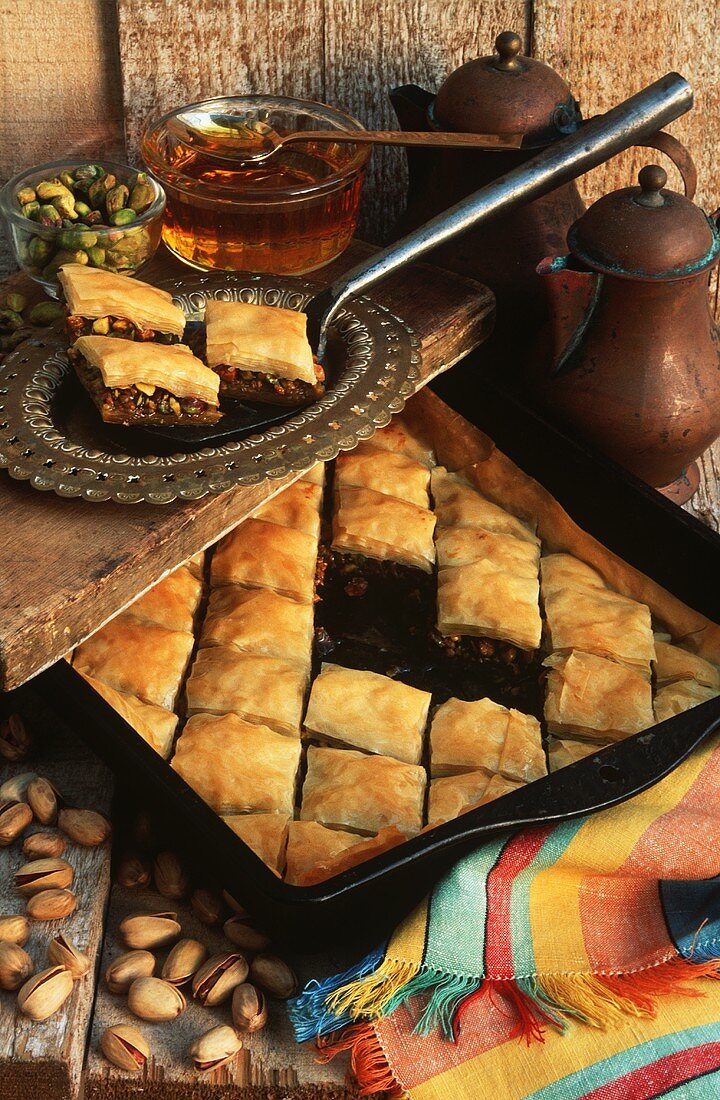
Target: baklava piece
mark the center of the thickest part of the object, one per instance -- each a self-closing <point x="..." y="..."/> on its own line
<point x="154" y="724"/>
<point x="173" y="602"/>
<point x="672" y="663"/>
<point x="238" y="767"/>
<point x="102" y="303"/>
<point x="367" y="711"/>
<point x="270" y="690"/>
<point x="315" y="475"/>
<point x="261" y="353"/>
<point x="459" y="504"/>
<point x="562" y="753"/>
<point x="263" y="555"/>
<point x="266" y="834"/>
<point x="388" y="472"/>
<point x="138" y="658"/>
<point x="310" y="846"/>
<point x="297" y="507"/>
<point x="680" y="696"/>
<point x="400" y="438"/>
<point x="595" y="699"/>
<point x="196" y="565"/>
<point x="467" y="736"/>
<point x="454" y="795"/>
<point x="483" y="602"/>
<point x="345" y="789"/>
<point x="258" y="620"/>
<point x="145" y="383"/>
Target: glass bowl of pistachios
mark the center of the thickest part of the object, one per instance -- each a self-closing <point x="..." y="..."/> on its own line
<point x="73" y="211"/>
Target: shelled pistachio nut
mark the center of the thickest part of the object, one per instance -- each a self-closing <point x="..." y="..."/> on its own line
<point x="124" y="1047"/>
<point x="149" y="930"/>
<point x="43" y="994"/>
<point x="171" y="879"/>
<point x="85" y="827"/>
<point x="273" y="975"/>
<point x="155" y="1000"/>
<point x="123" y="217"/>
<point x="63" y="952"/>
<point x="43" y="797"/>
<point x="14" y="929"/>
<point x="127" y="968"/>
<point x="249" y="1008"/>
<point x="242" y="932"/>
<point x="17" y="302"/>
<point x="25" y="195"/>
<point x="215" y="980"/>
<point x="14" y="819"/>
<point x="45" y="313"/>
<point x="207" y="906"/>
<point x="116" y="198"/>
<point x="133" y="872"/>
<point x="15" y="739"/>
<point x="184" y="960"/>
<point x="16" y="966"/>
<point x="43" y="845"/>
<point x="15" y="789"/>
<point x="215" y="1048"/>
<point x="43" y="874"/>
<point x="51" y="905"/>
<point x="47" y="190"/>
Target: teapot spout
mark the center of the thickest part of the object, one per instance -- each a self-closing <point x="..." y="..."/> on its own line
<point x="572" y="296"/>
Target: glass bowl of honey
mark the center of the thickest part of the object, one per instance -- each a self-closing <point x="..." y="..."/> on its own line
<point x="286" y="215"/>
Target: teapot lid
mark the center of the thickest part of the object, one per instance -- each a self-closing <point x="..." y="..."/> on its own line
<point x="507" y="93"/>
<point x="645" y="232"/>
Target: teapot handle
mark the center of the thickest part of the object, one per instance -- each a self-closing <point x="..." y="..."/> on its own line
<point x="678" y="154"/>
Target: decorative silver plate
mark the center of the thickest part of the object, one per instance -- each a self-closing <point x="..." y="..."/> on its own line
<point x="62" y="445"/>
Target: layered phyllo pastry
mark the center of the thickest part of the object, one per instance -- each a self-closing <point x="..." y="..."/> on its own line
<point x="257" y="688"/>
<point x="258" y="620"/>
<point x="173" y="602"/>
<point x="680" y="696"/>
<point x="389" y="472"/>
<point x="311" y="845"/>
<point x="595" y="699"/>
<point x="673" y="664"/>
<point x="561" y="753"/>
<point x="481" y="734"/>
<point x="265" y="555"/>
<point x="297" y="507"/>
<point x="154" y="724"/>
<point x="454" y="795"/>
<point x="105" y="304"/>
<point x="261" y="353"/>
<point x="133" y="383"/>
<point x="266" y="834"/>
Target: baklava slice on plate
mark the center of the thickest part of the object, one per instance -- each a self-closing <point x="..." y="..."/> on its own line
<point x="105" y="304"/>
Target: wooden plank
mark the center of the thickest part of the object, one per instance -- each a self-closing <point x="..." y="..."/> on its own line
<point x="609" y="50"/>
<point x="182" y="52"/>
<point x="81" y="563"/>
<point x="59" y="83"/>
<point x="371" y="48"/>
<point x="270" y="1065"/>
<point x="45" y="1060"/>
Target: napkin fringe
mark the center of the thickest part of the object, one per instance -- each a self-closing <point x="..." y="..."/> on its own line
<point x="368" y="1060"/>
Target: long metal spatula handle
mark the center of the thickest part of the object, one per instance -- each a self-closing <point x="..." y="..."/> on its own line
<point x="596" y="141"/>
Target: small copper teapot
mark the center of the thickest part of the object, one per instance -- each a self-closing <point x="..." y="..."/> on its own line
<point x="631" y="358"/>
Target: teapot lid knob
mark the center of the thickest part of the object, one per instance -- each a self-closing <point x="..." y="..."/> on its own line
<point x="507" y="46"/>
<point x="652" y="178"/>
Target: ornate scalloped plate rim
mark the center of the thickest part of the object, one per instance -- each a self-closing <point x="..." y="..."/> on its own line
<point x="380" y="373"/>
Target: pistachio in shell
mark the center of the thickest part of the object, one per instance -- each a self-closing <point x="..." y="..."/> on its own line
<point x="184" y="960"/>
<point x="43" y="798"/>
<point x="15" y="740"/>
<point x="207" y="906"/>
<point x="85" y="827"/>
<point x="15" y="789"/>
<point x="14" y="929"/>
<point x="14" y="819"/>
<point x="215" y="1048"/>
<point x="242" y="932"/>
<point x="44" y="993"/>
<point x="43" y="874"/>
<point x="133" y="872"/>
<point x="63" y="952"/>
<point x="43" y="845"/>
<point x="127" y="968"/>
<point x="171" y="879"/>
<point x="51" y="904"/>
<point x="273" y="975"/>
<point x="16" y="966"/>
<point x="150" y="930"/>
<point x="155" y="1000"/>
<point x="215" y="980"/>
<point x="124" y="1047"/>
<point x="249" y="1008"/>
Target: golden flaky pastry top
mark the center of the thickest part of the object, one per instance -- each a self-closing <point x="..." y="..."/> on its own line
<point x="259" y="338"/>
<point x="172" y="366"/>
<point x="90" y="292"/>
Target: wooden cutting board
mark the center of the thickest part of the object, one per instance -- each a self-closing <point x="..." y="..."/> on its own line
<point x="67" y="566"/>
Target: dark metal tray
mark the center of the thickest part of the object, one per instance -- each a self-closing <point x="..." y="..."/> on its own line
<point x="629" y="518"/>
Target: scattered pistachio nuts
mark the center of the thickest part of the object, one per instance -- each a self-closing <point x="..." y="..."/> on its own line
<point x="63" y="952"/>
<point x="15" y="740"/>
<point x="51" y="904"/>
<point x="249" y="1008"/>
<point x="215" y="1048"/>
<point x="15" y="789"/>
<point x="44" y="313"/>
<point x="155" y="1000"/>
<point x="273" y="975"/>
<point x="234" y="905"/>
<point x="215" y="980"/>
<point x="14" y="929"/>
<point x="125" y="1047"/>
<point x="16" y="966"/>
<point x="133" y="872"/>
<point x="170" y="878"/>
<point x="85" y="827"/>
<point x="207" y="906"/>
<point x="44" y="993"/>
<point x="43" y="845"/>
<point x="183" y="961"/>
<point x="43" y="874"/>
<point x="127" y="968"/>
<point x="42" y="798"/>
<point x="14" y="819"/>
<point x="243" y="933"/>
<point x="149" y="930"/>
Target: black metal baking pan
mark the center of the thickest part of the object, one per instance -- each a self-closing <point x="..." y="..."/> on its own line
<point x="364" y="903"/>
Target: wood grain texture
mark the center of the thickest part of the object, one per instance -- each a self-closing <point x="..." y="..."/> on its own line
<point x="45" y="1060"/>
<point x="271" y="1065"/>
<point x="59" y="83"/>
<point x="81" y="563"/>
<point x="176" y="53"/>
<point x="371" y="48"/>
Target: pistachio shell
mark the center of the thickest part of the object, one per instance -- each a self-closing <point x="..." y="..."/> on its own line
<point x="183" y="961"/>
<point x="14" y="819"/>
<point x="148" y="930"/>
<point x="243" y="933"/>
<point x="215" y="1048"/>
<point x="207" y="906"/>
<point x="127" y="968"/>
<point x="125" y="1047"/>
<point x="154" y="999"/>
<point x="14" y="929"/>
<point x="274" y="975"/>
<point x="170" y="877"/>
<point x="63" y="952"/>
<point x="51" y="904"/>
<point x="133" y="871"/>
<point x="44" y="993"/>
<point x="43" y="846"/>
<point x="249" y="1008"/>
<point x="16" y="966"/>
<point x="43" y="874"/>
<point x="15" y="740"/>
<point x="15" y="789"/>
<point x="215" y="980"/>
<point x="43" y="800"/>
<point x="85" y="827"/>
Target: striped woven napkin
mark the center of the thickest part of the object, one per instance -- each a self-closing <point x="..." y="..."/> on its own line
<point x="560" y="963"/>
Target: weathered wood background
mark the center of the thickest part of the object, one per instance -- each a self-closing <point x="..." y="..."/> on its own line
<point x="69" y="73"/>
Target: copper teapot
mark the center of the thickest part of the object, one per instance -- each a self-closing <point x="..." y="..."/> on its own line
<point x="631" y="358"/>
